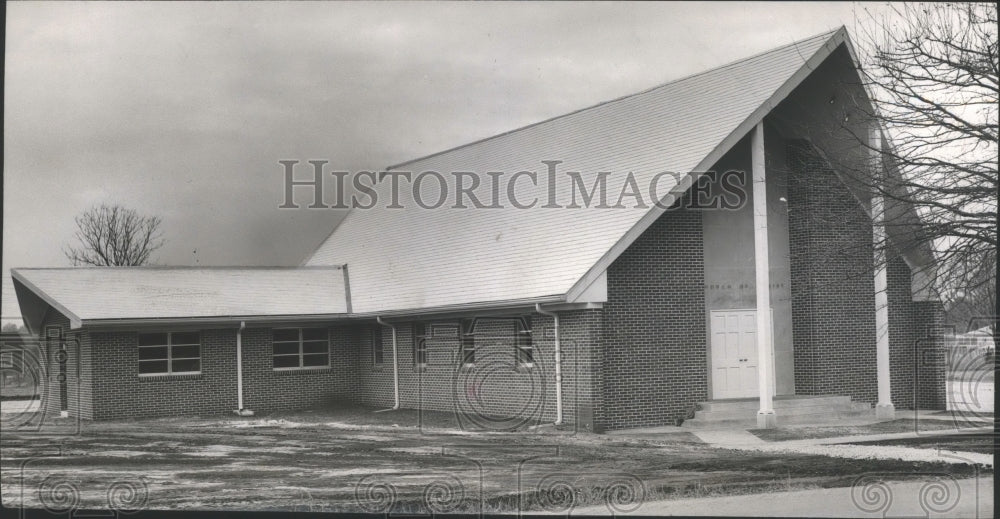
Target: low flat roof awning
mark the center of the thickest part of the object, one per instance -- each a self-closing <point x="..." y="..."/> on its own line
<point x="149" y="295"/>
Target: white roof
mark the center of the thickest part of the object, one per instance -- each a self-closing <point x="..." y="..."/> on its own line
<point x="415" y="258"/>
<point x="95" y="294"/>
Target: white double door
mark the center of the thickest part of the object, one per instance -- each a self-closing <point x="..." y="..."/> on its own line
<point x="734" y="353"/>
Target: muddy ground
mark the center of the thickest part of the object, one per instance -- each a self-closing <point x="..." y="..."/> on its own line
<point x="356" y="460"/>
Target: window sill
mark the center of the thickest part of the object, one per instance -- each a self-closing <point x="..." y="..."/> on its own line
<point x="524" y="368"/>
<point x="169" y="376"/>
<point x="310" y="369"/>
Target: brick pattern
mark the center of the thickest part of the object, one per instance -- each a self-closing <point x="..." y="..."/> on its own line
<point x="833" y="296"/>
<point x="655" y="348"/>
<point x="119" y="392"/>
<point x="265" y="389"/>
<point x="78" y="368"/>
<point x="495" y="388"/>
<point x="903" y="332"/>
<point x="931" y="373"/>
<point x="833" y="289"/>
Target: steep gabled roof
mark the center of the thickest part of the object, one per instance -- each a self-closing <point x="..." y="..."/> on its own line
<point x="416" y="258"/>
<point x="110" y="295"/>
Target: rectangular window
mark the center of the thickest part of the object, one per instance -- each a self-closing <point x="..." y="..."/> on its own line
<point x="419" y="345"/>
<point x="468" y="344"/>
<point x="378" y="353"/>
<point x="298" y="348"/>
<point x="525" y="348"/>
<point x="7" y="360"/>
<point x="169" y="353"/>
<point x="444" y="331"/>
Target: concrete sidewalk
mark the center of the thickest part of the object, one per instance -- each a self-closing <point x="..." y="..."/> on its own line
<point x="845" y="446"/>
<point x="870" y="497"/>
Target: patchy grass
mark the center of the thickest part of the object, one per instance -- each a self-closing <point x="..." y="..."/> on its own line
<point x="832" y="431"/>
<point x="981" y="443"/>
<point x="351" y="460"/>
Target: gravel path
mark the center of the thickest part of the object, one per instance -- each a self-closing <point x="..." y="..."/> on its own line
<point x="745" y="441"/>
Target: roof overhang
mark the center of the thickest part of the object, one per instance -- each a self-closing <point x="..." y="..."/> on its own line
<point x="839" y="37"/>
<point x="916" y="253"/>
<point x="143" y="297"/>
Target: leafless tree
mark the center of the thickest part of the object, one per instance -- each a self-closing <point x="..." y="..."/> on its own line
<point x="932" y="73"/>
<point x="112" y="235"/>
<point x="927" y="87"/>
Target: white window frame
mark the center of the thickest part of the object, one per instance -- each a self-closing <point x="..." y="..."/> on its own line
<point x="170" y="354"/>
<point x="519" y="344"/>
<point x="419" y="345"/>
<point x="300" y="354"/>
<point x="7" y="360"/>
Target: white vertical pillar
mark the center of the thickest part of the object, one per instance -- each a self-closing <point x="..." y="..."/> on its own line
<point x="884" y="408"/>
<point x="765" y="373"/>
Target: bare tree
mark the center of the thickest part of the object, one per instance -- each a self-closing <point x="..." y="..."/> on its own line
<point x="114" y="236"/>
<point x="932" y="73"/>
<point x="916" y="128"/>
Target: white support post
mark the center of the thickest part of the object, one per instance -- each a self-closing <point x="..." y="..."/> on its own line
<point x="884" y="408"/>
<point x="766" y="417"/>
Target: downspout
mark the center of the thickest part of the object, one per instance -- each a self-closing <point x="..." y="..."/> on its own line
<point x="555" y="319"/>
<point x="239" y="372"/>
<point x="395" y="365"/>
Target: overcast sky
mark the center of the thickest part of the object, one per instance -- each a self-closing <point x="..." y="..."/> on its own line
<point x="184" y="110"/>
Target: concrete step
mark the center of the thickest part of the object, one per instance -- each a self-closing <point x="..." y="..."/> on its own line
<point x="749" y="420"/>
<point x="778" y="402"/>
<point x="791" y="411"/>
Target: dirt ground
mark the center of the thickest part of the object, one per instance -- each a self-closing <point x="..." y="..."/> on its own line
<point x="401" y="462"/>
<point x="901" y="425"/>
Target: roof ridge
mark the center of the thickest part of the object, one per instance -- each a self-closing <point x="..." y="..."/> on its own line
<point x="824" y="35"/>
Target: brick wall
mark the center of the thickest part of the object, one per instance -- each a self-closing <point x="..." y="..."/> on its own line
<point x="931" y="366"/>
<point x="655" y="346"/>
<point x="494" y="393"/>
<point x="903" y="332"/>
<point x="119" y="391"/>
<point x="71" y="349"/>
<point x="833" y="289"/>
<point x="108" y="385"/>
<point x="833" y="295"/>
<point x="265" y="389"/>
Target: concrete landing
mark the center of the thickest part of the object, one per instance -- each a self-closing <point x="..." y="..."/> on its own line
<point x="737" y="413"/>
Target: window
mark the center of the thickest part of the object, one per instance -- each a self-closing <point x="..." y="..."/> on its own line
<point x="298" y="348"/>
<point x="378" y="353"/>
<point x="53" y="332"/>
<point x="419" y="345"/>
<point x="525" y="348"/>
<point x="468" y="343"/>
<point x="444" y="331"/>
<point x="169" y="353"/>
<point x="7" y="360"/>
